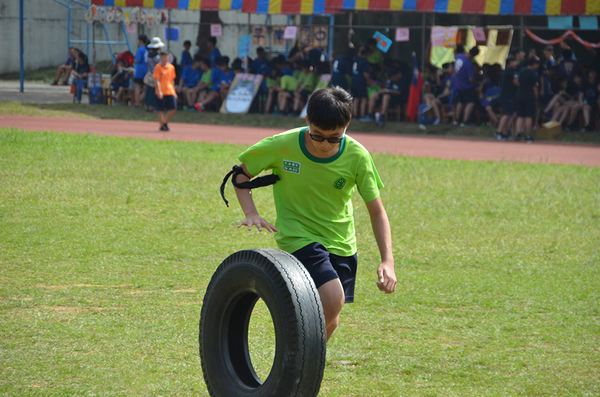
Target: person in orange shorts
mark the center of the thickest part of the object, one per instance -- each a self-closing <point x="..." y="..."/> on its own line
<point x="164" y="73"/>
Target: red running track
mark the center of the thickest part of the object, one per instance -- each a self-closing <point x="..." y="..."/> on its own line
<point x="419" y="146"/>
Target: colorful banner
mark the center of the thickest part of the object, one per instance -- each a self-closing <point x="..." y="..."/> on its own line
<point x="489" y="7"/>
<point x="561" y="38"/>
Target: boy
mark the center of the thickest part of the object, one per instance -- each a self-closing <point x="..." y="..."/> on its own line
<point x="140" y="64"/>
<point x="360" y="77"/>
<point x="221" y="77"/>
<point x="527" y="97"/>
<point x="394" y="93"/>
<point x="164" y="73"/>
<point x="508" y="95"/>
<point x="318" y="167"/>
<point x="186" y="57"/>
<point x="67" y="67"/>
<point x="190" y="78"/>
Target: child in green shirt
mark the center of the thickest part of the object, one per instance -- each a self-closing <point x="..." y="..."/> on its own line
<point x="318" y="168"/>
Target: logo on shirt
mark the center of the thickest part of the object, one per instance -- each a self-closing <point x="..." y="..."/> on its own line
<point x="340" y="183"/>
<point x="291" y="166"/>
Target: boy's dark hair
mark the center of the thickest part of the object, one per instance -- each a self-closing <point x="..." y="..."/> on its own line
<point x="511" y="58"/>
<point x="236" y="64"/>
<point x="187" y="42"/>
<point x="330" y="108"/>
<point x="213" y="40"/>
<point x="197" y="58"/>
<point x="567" y="55"/>
<point x="143" y="38"/>
<point x="474" y="51"/>
<point x="460" y="49"/>
<point x="222" y="61"/>
<point x="371" y="41"/>
<point x="533" y="61"/>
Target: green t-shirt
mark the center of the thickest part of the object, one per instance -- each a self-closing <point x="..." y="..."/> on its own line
<point x="288" y="83"/>
<point x="376" y="57"/>
<point x="206" y="77"/>
<point x="313" y="198"/>
<point x="272" y="82"/>
<point x="308" y="81"/>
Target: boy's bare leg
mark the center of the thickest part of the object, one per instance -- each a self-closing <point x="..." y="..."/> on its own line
<point x="503" y="126"/>
<point x="385" y="103"/>
<point x="459" y="109"/>
<point x="269" y="100"/>
<point x="170" y="114"/>
<point x="491" y="114"/>
<point x="140" y="93"/>
<point x="373" y="102"/>
<point x="160" y="118"/>
<point x="332" y="298"/>
<point x="437" y="104"/>
<point x="519" y="125"/>
<point x="364" y="102"/>
<point x="468" y="110"/>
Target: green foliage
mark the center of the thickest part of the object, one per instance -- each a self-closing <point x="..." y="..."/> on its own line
<point x="107" y="246"/>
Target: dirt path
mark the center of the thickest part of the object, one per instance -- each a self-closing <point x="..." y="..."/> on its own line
<point x="420" y="146"/>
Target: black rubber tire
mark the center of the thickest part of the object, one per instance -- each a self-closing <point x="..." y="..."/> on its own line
<point x="289" y="292"/>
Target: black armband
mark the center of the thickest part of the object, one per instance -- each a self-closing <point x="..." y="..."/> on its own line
<point x="252" y="184"/>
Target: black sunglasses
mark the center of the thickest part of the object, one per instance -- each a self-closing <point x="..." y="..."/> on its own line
<point x="319" y="138"/>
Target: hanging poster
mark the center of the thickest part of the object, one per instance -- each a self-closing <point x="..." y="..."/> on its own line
<point x="241" y="93"/>
<point x="320" y="36"/>
<point x="305" y="36"/>
<point x="277" y="37"/>
<point x="244" y="45"/>
<point x="259" y="34"/>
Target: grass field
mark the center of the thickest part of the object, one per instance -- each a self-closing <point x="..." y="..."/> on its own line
<point x="107" y="246"/>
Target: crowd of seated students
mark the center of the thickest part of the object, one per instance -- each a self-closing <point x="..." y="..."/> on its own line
<point x="528" y="92"/>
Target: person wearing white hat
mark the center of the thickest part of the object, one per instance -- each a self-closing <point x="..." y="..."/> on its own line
<point x="153" y="59"/>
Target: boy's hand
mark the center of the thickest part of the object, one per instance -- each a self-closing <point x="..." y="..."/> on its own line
<point x="387" y="278"/>
<point x="259" y="222"/>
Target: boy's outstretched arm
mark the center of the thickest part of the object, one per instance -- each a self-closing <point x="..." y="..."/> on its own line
<point x="383" y="236"/>
<point x="244" y="196"/>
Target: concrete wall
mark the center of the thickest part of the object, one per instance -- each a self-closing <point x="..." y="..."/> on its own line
<point x="46" y="25"/>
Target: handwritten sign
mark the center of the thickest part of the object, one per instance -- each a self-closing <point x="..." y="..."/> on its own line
<point x="290" y="32"/>
<point x="216" y="30"/>
<point x="402" y="34"/>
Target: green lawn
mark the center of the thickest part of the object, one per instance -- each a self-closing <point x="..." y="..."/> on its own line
<point x="107" y="246"/>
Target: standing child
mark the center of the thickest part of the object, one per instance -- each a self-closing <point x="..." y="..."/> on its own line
<point x="164" y="73"/>
<point x="318" y="168"/>
<point x="186" y="57"/>
<point x="527" y="97"/>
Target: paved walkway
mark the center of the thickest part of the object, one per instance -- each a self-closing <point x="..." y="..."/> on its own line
<point x="420" y="146"/>
<point x="34" y="92"/>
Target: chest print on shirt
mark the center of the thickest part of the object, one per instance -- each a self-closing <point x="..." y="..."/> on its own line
<point x="291" y="166"/>
<point x="340" y="183"/>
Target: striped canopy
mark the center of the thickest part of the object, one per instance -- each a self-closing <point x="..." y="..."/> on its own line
<point x="491" y="7"/>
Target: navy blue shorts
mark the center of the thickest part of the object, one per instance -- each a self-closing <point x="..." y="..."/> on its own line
<point x="526" y="106"/>
<point x="324" y="267"/>
<point x="359" y="91"/>
<point x="508" y="106"/>
<point x="467" y="96"/>
<point x="167" y="103"/>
